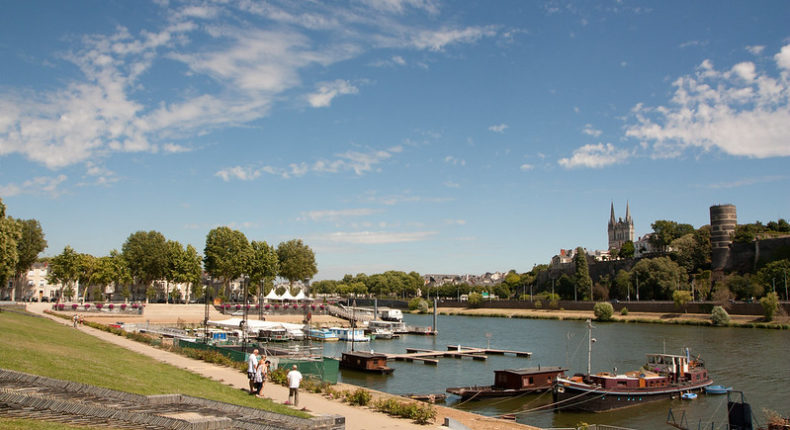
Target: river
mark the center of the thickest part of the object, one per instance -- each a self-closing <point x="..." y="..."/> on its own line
<point x="755" y="361"/>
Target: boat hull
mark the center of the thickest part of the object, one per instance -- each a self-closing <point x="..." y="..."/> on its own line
<point x="489" y="391"/>
<point x="575" y="398"/>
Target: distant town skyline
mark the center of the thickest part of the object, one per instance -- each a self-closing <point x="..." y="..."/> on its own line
<point x="413" y="135"/>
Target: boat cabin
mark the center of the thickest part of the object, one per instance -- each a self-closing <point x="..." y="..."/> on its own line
<point x="365" y="362"/>
<point x="661" y="370"/>
<point x="532" y="377"/>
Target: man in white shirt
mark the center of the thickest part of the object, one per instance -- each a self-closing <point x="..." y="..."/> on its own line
<point x="252" y="363"/>
<point x="294" y="379"/>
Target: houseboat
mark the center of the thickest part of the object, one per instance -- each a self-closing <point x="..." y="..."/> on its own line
<point x="664" y="376"/>
<point x="274" y="334"/>
<point x="512" y="382"/>
<point x="365" y="362"/>
<point x="392" y="315"/>
<point x="323" y="335"/>
<point x="396" y="327"/>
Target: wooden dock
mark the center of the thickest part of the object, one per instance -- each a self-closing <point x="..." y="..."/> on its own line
<point x="429" y="356"/>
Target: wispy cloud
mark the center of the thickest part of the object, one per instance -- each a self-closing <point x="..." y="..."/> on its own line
<point x="755" y="49"/>
<point x="327" y="91"/>
<point x="498" y="128"/>
<point x="746" y="182"/>
<point x="38" y="185"/>
<point x="591" y="131"/>
<point x="377" y="237"/>
<point x="741" y="111"/>
<point x="526" y="167"/>
<point x="455" y="221"/>
<point x="454" y="161"/>
<point x="595" y="156"/>
<point x="334" y="215"/>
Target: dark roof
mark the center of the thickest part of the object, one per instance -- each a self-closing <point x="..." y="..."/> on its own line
<point x="534" y="370"/>
<point x="363" y="354"/>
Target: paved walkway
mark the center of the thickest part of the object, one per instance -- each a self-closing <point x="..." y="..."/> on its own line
<point x="357" y="418"/>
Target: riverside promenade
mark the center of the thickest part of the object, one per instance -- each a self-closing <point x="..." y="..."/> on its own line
<point x="357" y="418"/>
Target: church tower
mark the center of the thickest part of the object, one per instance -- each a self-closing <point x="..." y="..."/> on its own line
<point x="620" y="230"/>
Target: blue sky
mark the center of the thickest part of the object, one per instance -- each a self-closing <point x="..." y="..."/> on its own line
<point x="440" y="137"/>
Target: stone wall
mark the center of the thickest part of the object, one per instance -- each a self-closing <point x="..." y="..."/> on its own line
<point x="749" y="257"/>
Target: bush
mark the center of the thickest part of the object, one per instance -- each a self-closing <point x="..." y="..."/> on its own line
<point x="770" y="304"/>
<point x="359" y="397"/>
<point x="421" y="413"/>
<point x="624" y="311"/>
<point x="418" y="304"/>
<point x="719" y="316"/>
<point x="538" y="304"/>
<point x="475" y="300"/>
<point x="681" y="297"/>
<point x="603" y="311"/>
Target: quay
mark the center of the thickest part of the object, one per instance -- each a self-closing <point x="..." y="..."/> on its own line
<point x="429" y="356"/>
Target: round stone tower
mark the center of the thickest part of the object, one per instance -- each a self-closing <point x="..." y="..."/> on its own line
<point x="723" y="220"/>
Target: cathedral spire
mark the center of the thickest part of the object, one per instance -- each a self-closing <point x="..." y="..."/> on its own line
<point x="612" y="220"/>
<point x="627" y="213"/>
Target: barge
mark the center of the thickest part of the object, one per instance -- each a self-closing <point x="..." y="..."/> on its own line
<point x="513" y="382"/>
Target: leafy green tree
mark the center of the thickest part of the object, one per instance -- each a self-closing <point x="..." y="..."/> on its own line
<point x="681" y="298"/>
<point x="621" y="286"/>
<point x="603" y="311"/>
<point x="263" y="265"/>
<point x="10" y="234"/>
<point x="719" y="316"/>
<point x="226" y="254"/>
<point x="582" y="277"/>
<point x="627" y="250"/>
<point x="658" y="278"/>
<point x="30" y="244"/>
<point x="770" y="304"/>
<point x="664" y="232"/>
<point x="742" y="286"/>
<point x="112" y="270"/>
<point x="64" y="270"/>
<point x="146" y="256"/>
<point x="773" y="275"/>
<point x="692" y="251"/>
<point x="297" y="261"/>
<point x="475" y="300"/>
<point x="86" y="272"/>
<point x="702" y="281"/>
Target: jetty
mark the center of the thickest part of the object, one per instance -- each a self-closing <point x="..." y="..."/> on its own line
<point x="429" y="356"/>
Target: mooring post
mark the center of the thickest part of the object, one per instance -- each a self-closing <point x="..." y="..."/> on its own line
<point x="434" y="328"/>
<point x="375" y="308"/>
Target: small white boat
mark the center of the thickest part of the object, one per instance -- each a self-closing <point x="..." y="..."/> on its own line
<point x="346" y="334"/>
<point x="688" y="396"/>
<point x="381" y="333"/>
<point x="717" y="389"/>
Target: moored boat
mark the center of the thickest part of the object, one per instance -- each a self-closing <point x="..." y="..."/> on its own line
<point x="323" y="335"/>
<point x="717" y="389"/>
<point x="664" y="376"/>
<point x="274" y="334"/>
<point x="350" y="335"/>
<point x="512" y="382"/>
<point x="365" y="362"/>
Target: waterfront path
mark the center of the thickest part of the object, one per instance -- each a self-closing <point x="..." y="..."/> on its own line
<point x="357" y="418"/>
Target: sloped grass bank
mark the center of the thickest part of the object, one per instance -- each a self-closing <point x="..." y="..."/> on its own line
<point x="44" y="347"/>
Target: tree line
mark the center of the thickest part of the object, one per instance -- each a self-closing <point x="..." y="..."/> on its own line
<point x="149" y="265"/>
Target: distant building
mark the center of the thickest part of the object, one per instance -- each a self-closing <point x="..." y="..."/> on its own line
<point x="620" y="230"/>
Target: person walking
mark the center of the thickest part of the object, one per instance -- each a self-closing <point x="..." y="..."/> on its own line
<point x="294" y="378"/>
<point x="75" y="319"/>
<point x="252" y="365"/>
<point x="259" y="378"/>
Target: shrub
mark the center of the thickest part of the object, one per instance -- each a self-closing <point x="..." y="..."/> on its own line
<point x="719" y="316"/>
<point x="770" y="304"/>
<point x="681" y="297"/>
<point x="624" y="311"/>
<point x="123" y="306"/>
<point x="422" y="413"/>
<point x="414" y="304"/>
<point x="359" y="397"/>
<point x="603" y="311"/>
<point x="475" y="300"/>
<point x="112" y="306"/>
<point x="538" y="304"/>
<point x="279" y="376"/>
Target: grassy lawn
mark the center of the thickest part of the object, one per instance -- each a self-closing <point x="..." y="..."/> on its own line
<point x="43" y="347"/>
<point x="24" y="424"/>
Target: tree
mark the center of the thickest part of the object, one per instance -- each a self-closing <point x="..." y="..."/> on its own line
<point x="146" y="256"/>
<point x="86" y="269"/>
<point x="30" y="244"/>
<point x="681" y="298"/>
<point x="263" y="265"/>
<point x="719" y="316"/>
<point x="112" y="270"/>
<point x="770" y="304"/>
<point x="583" y="281"/>
<point x="658" y="277"/>
<point x="10" y="234"/>
<point x="64" y="270"/>
<point x="622" y="285"/>
<point x="702" y="283"/>
<point x="664" y="232"/>
<point x="742" y="286"/>
<point x="626" y="250"/>
<point x="297" y="261"/>
<point x="226" y="255"/>
<point x="774" y="274"/>
<point x="603" y="311"/>
<point x="692" y="251"/>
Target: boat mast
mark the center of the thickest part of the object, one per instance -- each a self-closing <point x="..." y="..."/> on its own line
<point x="590" y="341"/>
<point x="353" y="323"/>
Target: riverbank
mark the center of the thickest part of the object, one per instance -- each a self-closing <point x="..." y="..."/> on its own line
<point x="781" y="322"/>
<point x="357" y="418"/>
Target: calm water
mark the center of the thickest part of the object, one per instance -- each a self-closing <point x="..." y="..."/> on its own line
<point x="755" y="361"/>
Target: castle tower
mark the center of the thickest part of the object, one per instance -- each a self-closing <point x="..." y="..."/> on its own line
<point x="723" y="220"/>
<point x="620" y="230"/>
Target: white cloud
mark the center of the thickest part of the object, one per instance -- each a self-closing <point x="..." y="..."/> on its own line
<point x="746" y="182"/>
<point x="333" y="215"/>
<point x="400" y="6"/>
<point x="755" y="49"/>
<point x="498" y="128"/>
<point x="377" y="237"/>
<point x="741" y="112"/>
<point x="436" y="40"/>
<point x="172" y="148"/>
<point x="238" y="172"/>
<point x="591" y="131"/>
<point x="326" y="91"/>
<point x="454" y="161"/>
<point x="38" y="185"/>
<point x="451" y="184"/>
<point x="455" y="221"/>
<point x="526" y="167"/>
<point x="595" y="156"/>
